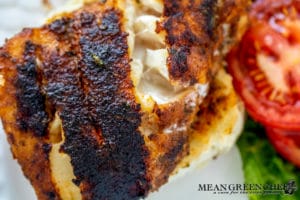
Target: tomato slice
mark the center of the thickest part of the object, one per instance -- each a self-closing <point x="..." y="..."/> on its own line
<point x="287" y="144"/>
<point x="265" y="66"/>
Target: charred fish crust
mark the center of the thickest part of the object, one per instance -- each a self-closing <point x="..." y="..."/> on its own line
<point x="179" y="61"/>
<point x="94" y="97"/>
<point x="208" y="9"/>
<point x="32" y="115"/>
<point x="170" y="159"/>
<point x="51" y="195"/>
<point x="29" y="49"/>
<point x="38" y="167"/>
<point x="171" y="7"/>
<point x="169" y="26"/>
<point x="106" y="69"/>
<point x="187" y="32"/>
<point x="87" y="18"/>
<point x="110" y="24"/>
<point x="100" y="56"/>
<point x="61" y="26"/>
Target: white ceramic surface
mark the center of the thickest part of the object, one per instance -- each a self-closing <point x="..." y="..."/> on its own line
<point x="15" y="14"/>
<point x="224" y="170"/>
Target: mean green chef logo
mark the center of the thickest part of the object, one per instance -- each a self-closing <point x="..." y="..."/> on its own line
<point x="290" y="188"/>
<point x="256" y="189"/>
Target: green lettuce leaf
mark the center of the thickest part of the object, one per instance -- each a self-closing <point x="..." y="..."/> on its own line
<point x="262" y="165"/>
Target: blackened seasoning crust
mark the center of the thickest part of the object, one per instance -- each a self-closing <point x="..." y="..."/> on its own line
<point x="78" y="67"/>
<point x="23" y="112"/>
<point x="93" y="94"/>
<point x="178" y="57"/>
<point x="100" y="120"/>
<point x="121" y="157"/>
<point x="31" y="103"/>
<point x="208" y="8"/>
<point x="191" y="33"/>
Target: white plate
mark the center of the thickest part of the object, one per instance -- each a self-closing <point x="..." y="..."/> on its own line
<point x="227" y="169"/>
<point x="15" y="14"/>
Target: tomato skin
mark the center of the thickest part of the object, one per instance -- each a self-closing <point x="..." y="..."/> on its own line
<point x="263" y="111"/>
<point x="286" y="143"/>
<point x="263" y="38"/>
<point x="265" y="67"/>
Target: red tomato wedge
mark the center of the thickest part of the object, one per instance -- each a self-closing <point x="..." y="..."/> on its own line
<point x="265" y="66"/>
<point x="287" y="144"/>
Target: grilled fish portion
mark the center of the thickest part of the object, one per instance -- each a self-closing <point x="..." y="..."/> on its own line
<point x="102" y="97"/>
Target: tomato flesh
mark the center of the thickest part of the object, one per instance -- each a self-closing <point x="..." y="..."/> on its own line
<point x="266" y="64"/>
<point x="287" y="144"/>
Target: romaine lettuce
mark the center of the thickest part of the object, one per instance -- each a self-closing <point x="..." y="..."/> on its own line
<point x="262" y="165"/>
